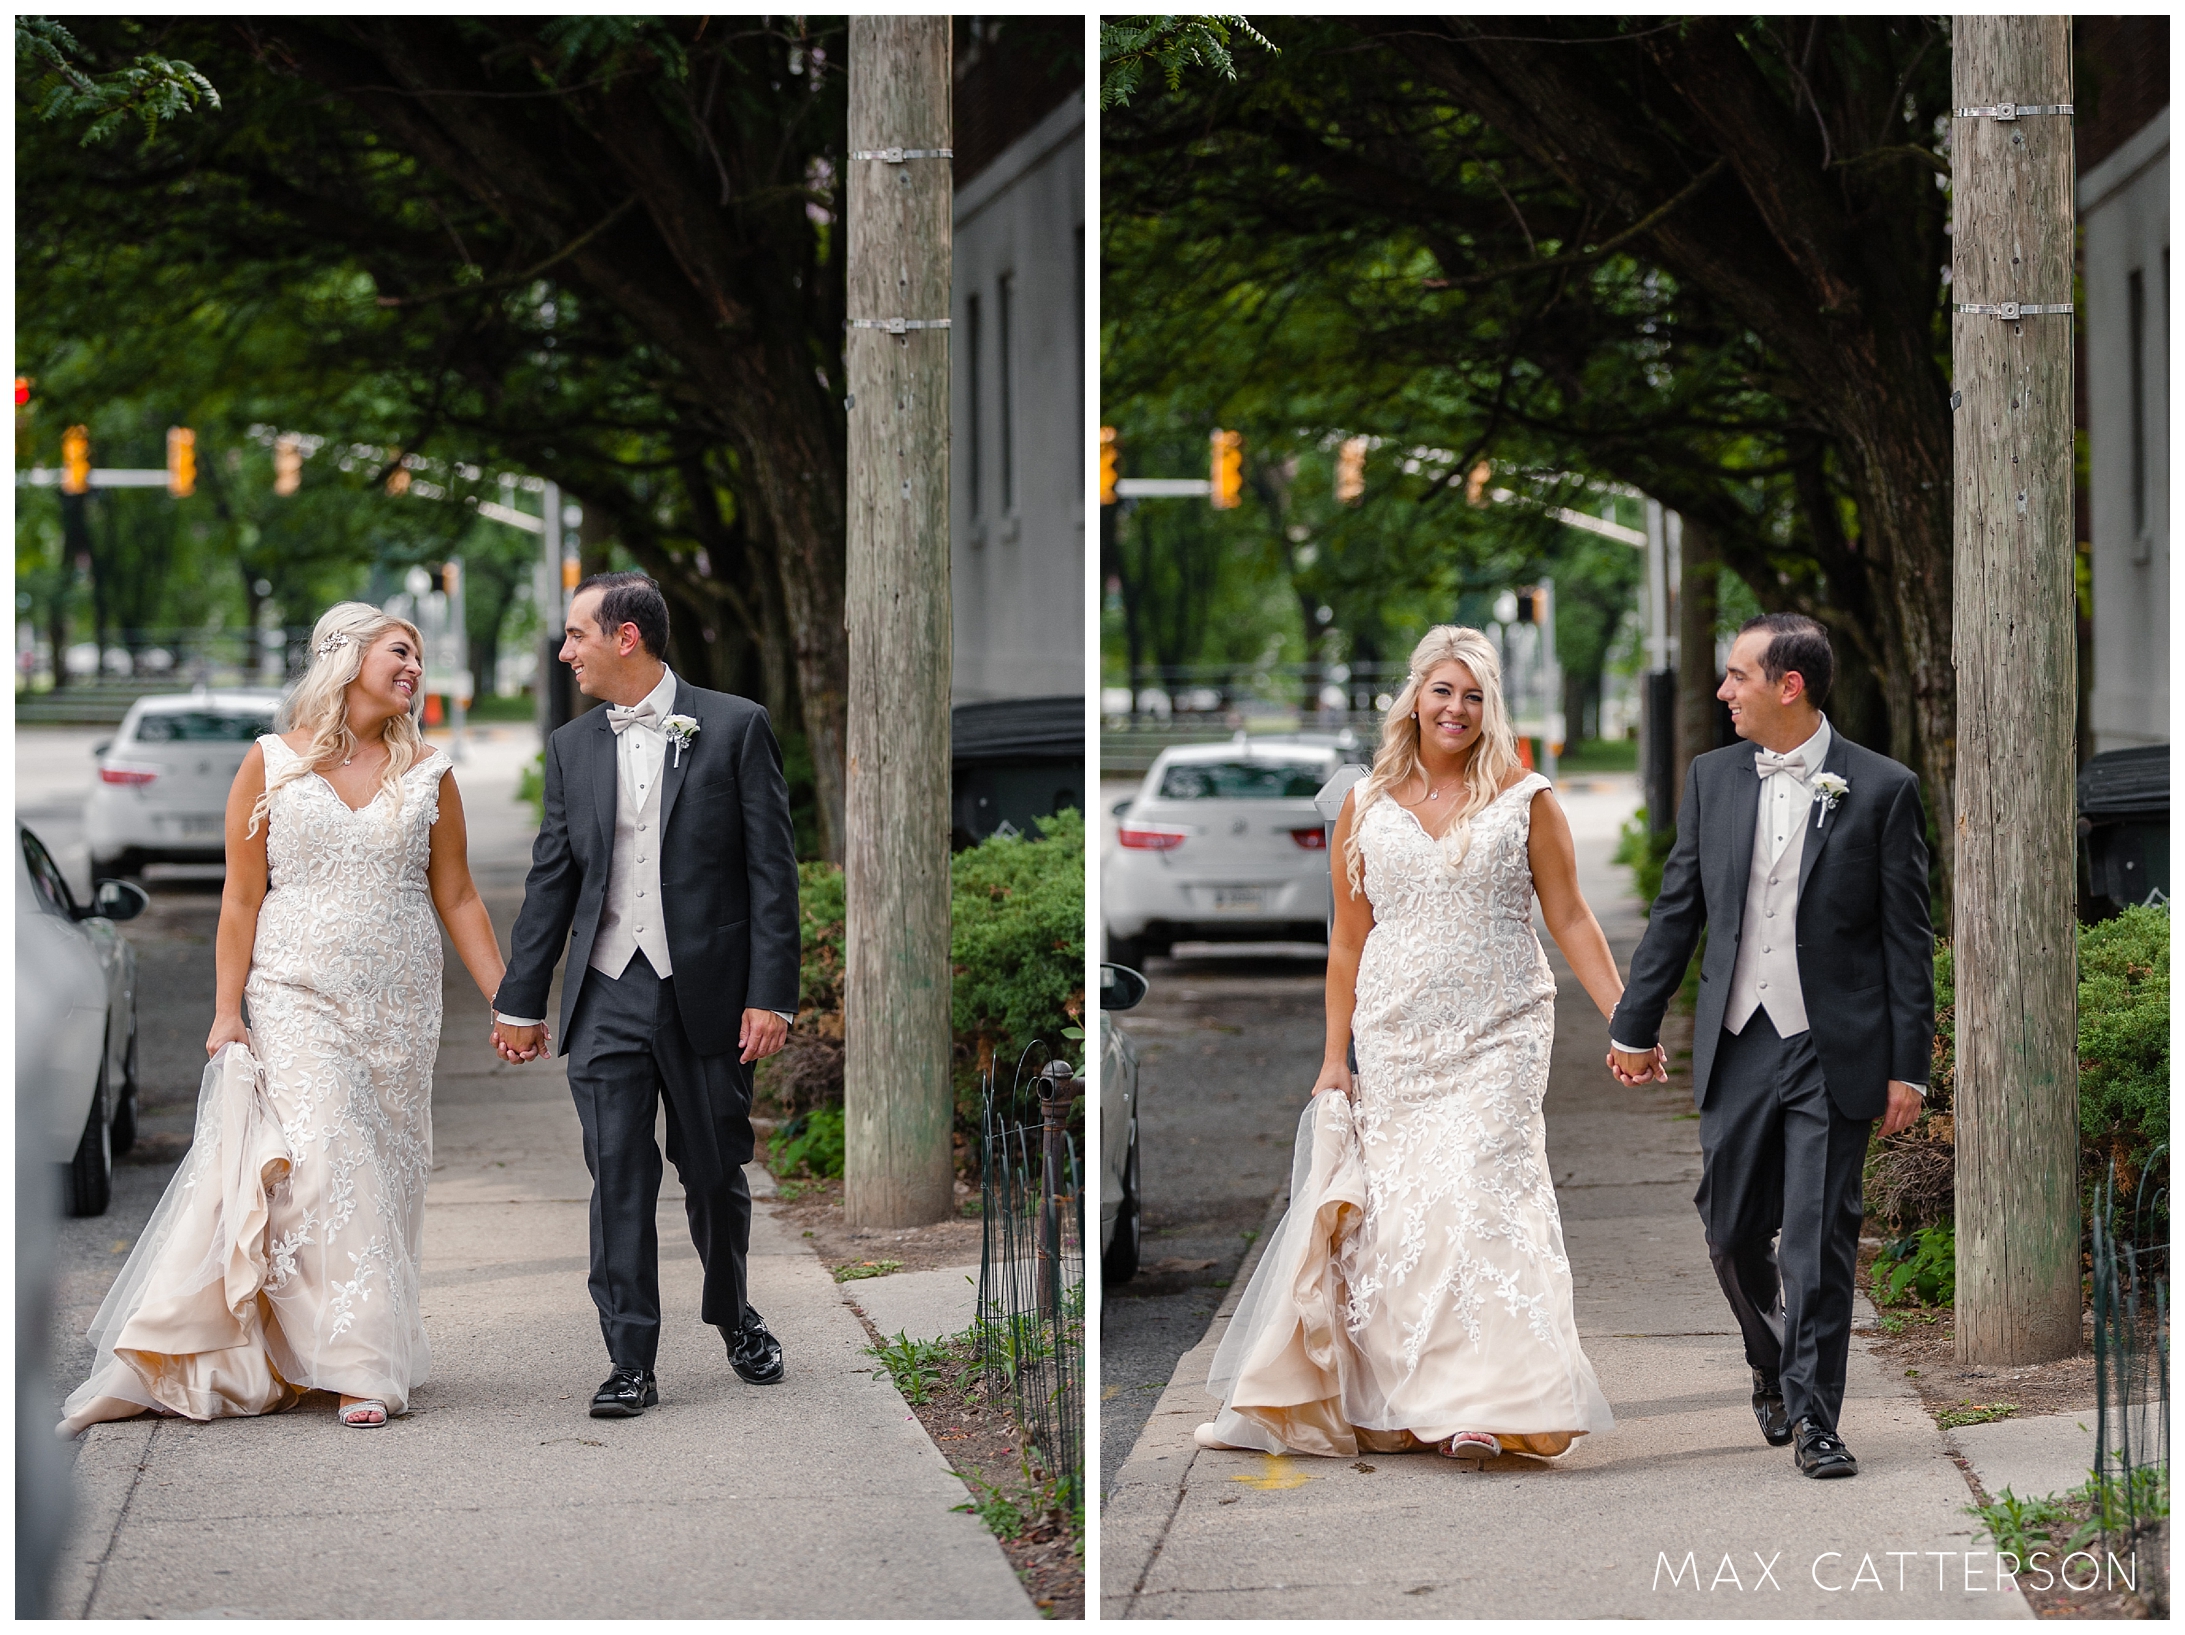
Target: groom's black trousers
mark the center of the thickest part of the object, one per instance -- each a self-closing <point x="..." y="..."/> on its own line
<point x="627" y="1049"/>
<point x="1778" y="1156"/>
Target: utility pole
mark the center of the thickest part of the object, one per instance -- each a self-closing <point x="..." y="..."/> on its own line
<point x="898" y="1100"/>
<point x="2014" y="649"/>
<point x="1699" y="577"/>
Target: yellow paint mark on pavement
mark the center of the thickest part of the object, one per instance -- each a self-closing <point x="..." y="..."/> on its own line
<point x="1278" y="1473"/>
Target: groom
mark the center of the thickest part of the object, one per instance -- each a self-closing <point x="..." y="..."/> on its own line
<point x="1806" y="863"/>
<point x="667" y="846"/>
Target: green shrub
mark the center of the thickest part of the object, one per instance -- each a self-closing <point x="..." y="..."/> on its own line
<point x="820" y="917"/>
<point x="1922" y="1265"/>
<point x="2124" y="1040"/>
<point x="811" y="1141"/>
<point x="1018" y="946"/>
<point x="1644" y="853"/>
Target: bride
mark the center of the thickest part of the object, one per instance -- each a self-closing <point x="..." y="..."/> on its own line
<point x="284" y="1256"/>
<point x="1417" y="1293"/>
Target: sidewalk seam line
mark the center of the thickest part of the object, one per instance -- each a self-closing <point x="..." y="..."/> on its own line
<point x="121" y="1517"/>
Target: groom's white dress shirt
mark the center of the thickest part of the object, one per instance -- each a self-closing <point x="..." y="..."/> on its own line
<point x="630" y="922"/>
<point x="1766" y="973"/>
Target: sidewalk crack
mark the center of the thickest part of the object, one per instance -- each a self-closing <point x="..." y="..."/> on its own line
<point x="121" y="1517"/>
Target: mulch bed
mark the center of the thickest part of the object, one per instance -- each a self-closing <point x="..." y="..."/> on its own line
<point x="814" y="1209"/>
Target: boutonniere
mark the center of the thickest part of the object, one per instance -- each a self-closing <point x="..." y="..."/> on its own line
<point x="1829" y="789"/>
<point x="681" y="729"/>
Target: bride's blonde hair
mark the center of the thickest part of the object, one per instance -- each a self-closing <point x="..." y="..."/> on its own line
<point x="344" y="634"/>
<point x="1493" y="758"/>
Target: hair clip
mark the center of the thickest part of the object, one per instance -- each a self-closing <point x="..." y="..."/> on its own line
<point x="339" y="638"/>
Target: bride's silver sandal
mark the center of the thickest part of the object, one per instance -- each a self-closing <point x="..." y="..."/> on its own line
<point x="350" y="1412"/>
<point x="1472" y="1445"/>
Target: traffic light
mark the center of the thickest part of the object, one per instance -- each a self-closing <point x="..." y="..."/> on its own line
<point x="181" y="462"/>
<point x="287" y="463"/>
<point x="1108" y="453"/>
<point x="76" y="460"/>
<point x="1228" y="471"/>
<point x="1350" y="471"/>
<point x="1475" y="485"/>
<point x="22" y="391"/>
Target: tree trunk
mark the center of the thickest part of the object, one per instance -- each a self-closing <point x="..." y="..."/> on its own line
<point x="1699" y="572"/>
<point x="2017" y="1058"/>
<point x="898" y="1100"/>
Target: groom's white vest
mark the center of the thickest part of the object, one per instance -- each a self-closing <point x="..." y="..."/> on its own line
<point x="1766" y="977"/>
<point x="630" y="918"/>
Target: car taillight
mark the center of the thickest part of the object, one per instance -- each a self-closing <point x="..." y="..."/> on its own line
<point x="1313" y="840"/>
<point x="137" y="775"/>
<point x="1144" y="839"/>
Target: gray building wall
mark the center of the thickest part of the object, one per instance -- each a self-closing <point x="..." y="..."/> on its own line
<point x="1017" y="483"/>
<point x="2124" y="213"/>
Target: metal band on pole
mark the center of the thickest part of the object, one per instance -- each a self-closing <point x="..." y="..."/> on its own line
<point x="2013" y="310"/>
<point x="895" y="156"/>
<point x="2015" y="110"/>
<point x="895" y="326"/>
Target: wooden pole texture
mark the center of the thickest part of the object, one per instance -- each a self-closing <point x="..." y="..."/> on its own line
<point x="2015" y="651"/>
<point x="898" y="1102"/>
<point x="1699" y="571"/>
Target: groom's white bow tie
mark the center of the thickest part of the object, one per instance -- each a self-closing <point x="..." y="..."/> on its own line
<point x="1768" y="763"/>
<point x="623" y="717"/>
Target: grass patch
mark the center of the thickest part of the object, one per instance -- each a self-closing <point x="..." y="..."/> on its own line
<point x="866" y="1268"/>
<point x="1975" y="1413"/>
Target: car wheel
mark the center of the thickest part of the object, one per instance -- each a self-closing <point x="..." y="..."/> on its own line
<point x="1120" y="1263"/>
<point x="90" y="1183"/>
<point x="125" y="1116"/>
<point x="1130" y="951"/>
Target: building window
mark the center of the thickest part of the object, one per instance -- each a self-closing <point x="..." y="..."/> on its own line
<point x="1007" y="362"/>
<point x="971" y="364"/>
<point x="2135" y="301"/>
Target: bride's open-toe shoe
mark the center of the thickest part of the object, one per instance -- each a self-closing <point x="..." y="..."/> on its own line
<point x="364" y="1413"/>
<point x="1472" y="1445"/>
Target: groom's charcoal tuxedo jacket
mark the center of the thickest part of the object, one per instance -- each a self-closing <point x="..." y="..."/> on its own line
<point x="728" y="870"/>
<point x="1865" y="946"/>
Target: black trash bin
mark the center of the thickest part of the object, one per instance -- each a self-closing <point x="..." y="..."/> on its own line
<point x="2124" y="830"/>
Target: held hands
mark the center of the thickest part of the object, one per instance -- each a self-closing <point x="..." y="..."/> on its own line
<point x="226" y="1030"/>
<point x="1634" y="1068"/>
<point x="762" y="1034"/>
<point x="520" y="1045"/>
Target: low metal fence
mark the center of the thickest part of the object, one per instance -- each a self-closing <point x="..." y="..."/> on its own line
<point x="1031" y="1327"/>
<point x="2131" y="1288"/>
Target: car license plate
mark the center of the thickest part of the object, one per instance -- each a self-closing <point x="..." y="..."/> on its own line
<point x="1239" y="899"/>
<point x="199" y="828"/>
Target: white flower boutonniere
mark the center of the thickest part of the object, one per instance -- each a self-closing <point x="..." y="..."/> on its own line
<point x="1830" y="789"/>
<point x="681" y="729"/>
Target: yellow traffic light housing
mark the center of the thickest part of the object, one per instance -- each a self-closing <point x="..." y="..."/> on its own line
<point x="1228" y="470"/>
<point x="76" y="460"/>
<point x="181" y="462"/>
<point x="1108" y="452"/>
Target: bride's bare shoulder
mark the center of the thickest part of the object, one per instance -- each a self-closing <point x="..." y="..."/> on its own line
<point x="298" y="741"/>
<point x="1517" y="776"/>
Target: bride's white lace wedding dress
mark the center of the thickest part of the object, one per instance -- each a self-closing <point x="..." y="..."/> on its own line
<point x="1418" y="1285"/>
<point x="284" y="1256"/>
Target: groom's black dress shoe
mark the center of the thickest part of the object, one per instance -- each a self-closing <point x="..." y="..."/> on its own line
<point x="1769" y="1410"/>
<point x="629" y="1391"/>
<point x="754" y="1352"/>
<point x="1821" y="1453"/>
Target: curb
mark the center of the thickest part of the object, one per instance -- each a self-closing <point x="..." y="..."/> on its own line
<point x="1150" y="1486"/>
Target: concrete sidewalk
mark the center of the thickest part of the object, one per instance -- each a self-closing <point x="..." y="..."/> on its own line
<point x="1681" y="1511"/>
<point x="497" y="1496"/>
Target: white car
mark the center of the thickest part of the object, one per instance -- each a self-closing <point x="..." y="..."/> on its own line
<point x="1120" y="1227"/>
<point x="75" y="1023"/>
<point x="162" y="789"/>
<point x="1222" y="843"/>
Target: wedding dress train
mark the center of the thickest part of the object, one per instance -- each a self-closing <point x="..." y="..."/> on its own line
<point x="284" y="1256"/>
<point x="1418" y="1285"/>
